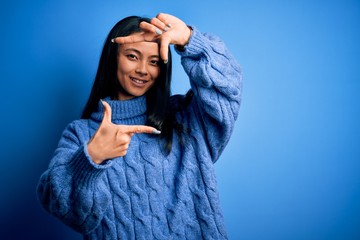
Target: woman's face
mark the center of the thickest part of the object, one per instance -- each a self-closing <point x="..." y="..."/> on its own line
<point x="138" y="68"/>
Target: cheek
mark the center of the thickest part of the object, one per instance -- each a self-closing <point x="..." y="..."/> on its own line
<point x="155" y="73"/>
<point x="123" y="66"/>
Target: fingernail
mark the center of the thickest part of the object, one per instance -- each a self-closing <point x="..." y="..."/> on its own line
<point x="165" y="61"/>
<point x="158" y="31"/>
<point x="113" y="40"/>
<point x="155" y="131"/>
<point x="166" y="29"/>
<point x="169" y="25"/>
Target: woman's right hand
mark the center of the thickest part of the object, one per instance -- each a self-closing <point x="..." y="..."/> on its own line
<point x="164" y="28"/>
<point x="112" y="140"/>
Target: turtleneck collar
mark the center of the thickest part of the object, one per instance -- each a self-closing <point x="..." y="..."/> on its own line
<point x="124" y="111"/>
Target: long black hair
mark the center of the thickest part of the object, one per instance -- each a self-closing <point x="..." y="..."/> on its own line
<point x="159" y="113"/>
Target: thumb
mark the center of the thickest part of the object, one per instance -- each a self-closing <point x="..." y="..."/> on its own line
<point x="107" y="112"/>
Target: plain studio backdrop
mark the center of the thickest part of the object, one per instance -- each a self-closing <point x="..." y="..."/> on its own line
<point x="292" y="167"/>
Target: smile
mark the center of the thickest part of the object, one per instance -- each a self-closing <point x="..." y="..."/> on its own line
<point x="138" y="81"/>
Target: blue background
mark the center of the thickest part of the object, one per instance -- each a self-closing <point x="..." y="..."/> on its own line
<point x="292" y="168"/>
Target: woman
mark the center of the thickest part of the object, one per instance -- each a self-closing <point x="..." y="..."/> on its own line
<point x="139" y="164"/>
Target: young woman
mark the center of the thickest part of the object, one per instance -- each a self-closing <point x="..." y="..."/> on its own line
<point x="139" y="163"/>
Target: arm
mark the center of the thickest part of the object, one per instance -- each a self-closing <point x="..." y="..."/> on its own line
<point x="216" y="81"/>
<point x="214" y="75"/>
<point x="72" y="188"/>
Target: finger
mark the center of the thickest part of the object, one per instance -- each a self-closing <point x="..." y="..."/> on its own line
<point x="159" y="24"/>
<point x="122" y="153"/>
<point x="122" y="138"/>
<point x="148" y="27"/>
<point x="124" y="147"/>
<point x="107" y="112"/>
<point x="163" y="17"/>
<point x="133" y="38"/>
<point x="164" y="48"/>
<point x="131" y="129"/>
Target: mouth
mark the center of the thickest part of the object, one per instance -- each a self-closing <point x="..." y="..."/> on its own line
<point x="138" y="81"/>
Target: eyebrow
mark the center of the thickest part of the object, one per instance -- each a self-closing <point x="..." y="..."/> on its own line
<point x="138" y="52"/>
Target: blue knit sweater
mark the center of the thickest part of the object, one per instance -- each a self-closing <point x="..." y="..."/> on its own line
<point x="147" y="194"/>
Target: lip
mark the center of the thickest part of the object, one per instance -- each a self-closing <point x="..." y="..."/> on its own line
<point x="138" y="81"/>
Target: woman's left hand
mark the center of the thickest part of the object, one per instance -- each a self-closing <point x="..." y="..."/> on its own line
<point x="164" y="28"/>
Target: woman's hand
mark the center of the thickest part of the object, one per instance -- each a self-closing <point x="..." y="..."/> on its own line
<point x="164" y="28"/>
<point x="112" y="140"/>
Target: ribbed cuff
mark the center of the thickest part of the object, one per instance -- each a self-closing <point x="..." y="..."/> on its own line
<point x="84" y="170"/>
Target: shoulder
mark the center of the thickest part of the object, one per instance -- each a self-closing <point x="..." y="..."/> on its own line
<point x="78" y="123"/>
<point x="76" y="128"/>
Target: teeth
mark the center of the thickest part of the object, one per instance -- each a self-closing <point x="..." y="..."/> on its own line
<point x="138" y="81"/>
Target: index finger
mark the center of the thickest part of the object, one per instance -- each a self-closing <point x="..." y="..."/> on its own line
<point x="129" y="39"/>
<point x="139" y="129"/>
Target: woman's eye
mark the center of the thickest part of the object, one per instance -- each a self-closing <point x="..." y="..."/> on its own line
<point x="131" y="56"/>
<point x="154" y="62"/>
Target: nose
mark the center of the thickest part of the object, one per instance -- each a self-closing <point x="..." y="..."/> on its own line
<point x="141" y="68"/>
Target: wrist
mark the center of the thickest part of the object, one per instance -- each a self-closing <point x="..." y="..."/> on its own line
<point x="93" y="155"/>
<point x="181" y="47"/>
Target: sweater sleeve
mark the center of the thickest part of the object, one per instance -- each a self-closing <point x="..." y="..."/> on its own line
<point x="72" y="188"/>
<point x="215" y="78"/>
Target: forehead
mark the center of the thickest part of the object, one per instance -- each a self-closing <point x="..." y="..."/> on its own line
<point x="144" y="48"/>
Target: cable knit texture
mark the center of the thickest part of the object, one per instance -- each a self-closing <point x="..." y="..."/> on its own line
<point x="148" y="194"/>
